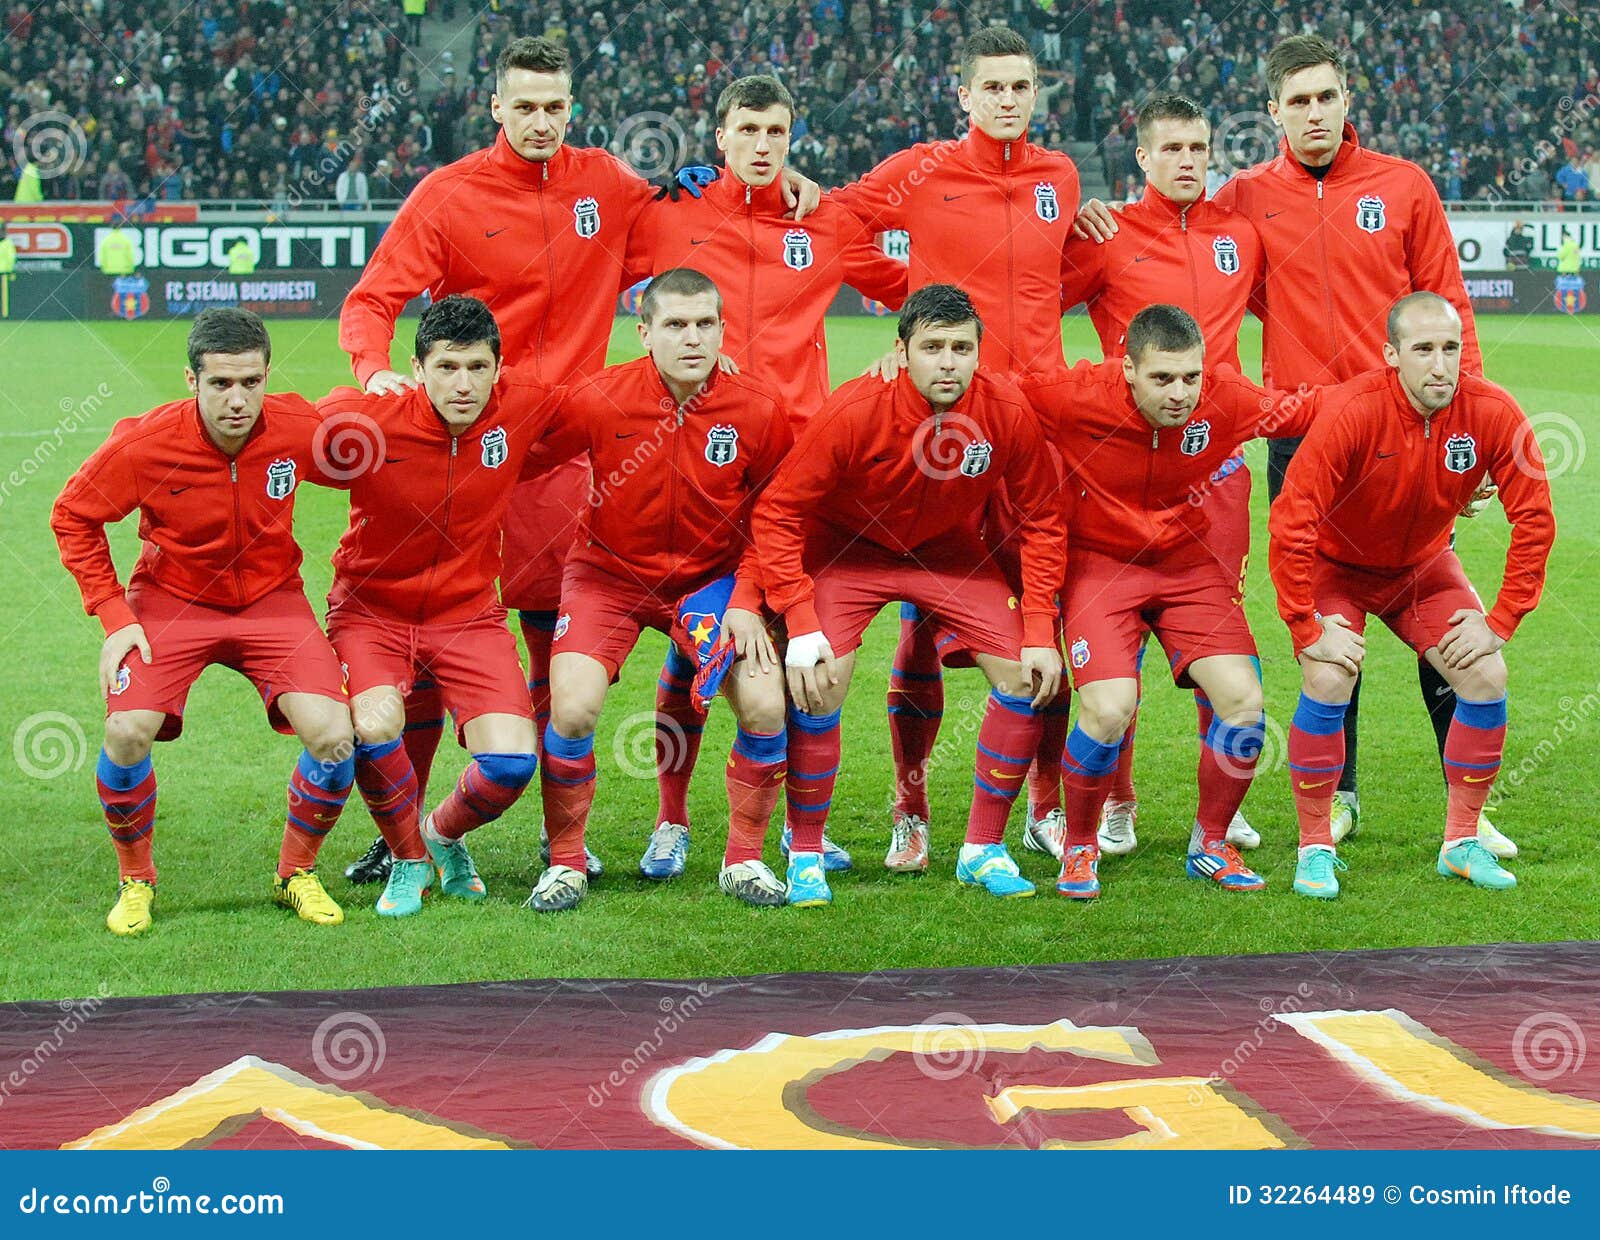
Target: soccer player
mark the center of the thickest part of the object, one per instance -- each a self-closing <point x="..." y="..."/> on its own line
<point x="414" y="587"/>
<point x="1140" y="436"/>
<point x="1363" y="525"/>
<point x="680" y="453"/>
<point x="990" y="213"/>
<point x="879" y="501"/>
<point x="777" y="279"/>
<point x="1175" y="247"/>
<point x="213" y="479"/>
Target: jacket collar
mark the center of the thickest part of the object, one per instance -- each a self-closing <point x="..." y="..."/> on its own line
<point x="911" y="408"/>
<point x="197" y="425"/>
<point x="1349" y="145"/>
<point x="526" y="171"/>
<point x="732" y="194"/>
<point x="419" y="409"/>
<point x="992" y="156"/>
<point x="667" y="401"/>
<point x="1402" y="402"/>
<point x="1164" y="208"/>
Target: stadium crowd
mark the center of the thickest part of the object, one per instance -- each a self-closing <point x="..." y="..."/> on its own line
<point x="261" y="99"/>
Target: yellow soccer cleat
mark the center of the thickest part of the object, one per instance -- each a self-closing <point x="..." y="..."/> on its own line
<point x="303" y="892"/>
<point x="130" y="915"/>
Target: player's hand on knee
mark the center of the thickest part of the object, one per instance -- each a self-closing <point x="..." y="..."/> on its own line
<point x="116" y="648"/>
<point x="801" y="194"/>
<point x="1042" y="666"/>
<point x="1469" y="639"/>
<point x="1096" y="221"/>
<point x="1339" y="645"/>
<point x="809" y="663"/>
<point x="387" y="382"/>
<point x="751" y="640"/>
<point x="886" y="367"/>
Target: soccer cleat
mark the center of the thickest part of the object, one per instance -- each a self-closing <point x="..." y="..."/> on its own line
<point x="1241" y="834"/>
<point x="130" y="915"/>
<point x="1491" y="838"/>
<point x="808" y="882"/>
<point x="1314" y="873"/>
<point x="457" y="875"/>
<point x="908" y="844"/>
<point x="1080" y="872"/>
<point x="1220" y="862"/>
<point x="835" y="860"/>
<point x="667" y="852"/>
<point x="1116" y="837"/>
<point x="558" y="889"/>
<point x="1470" y="860"/>
<point x="754" y="883"/>
<point x="1344" y="820"/>
<point x="1047" y="834"/>
<point x="990" y="866"/>
<point x="371" y="866"/>
<point x="303" y="892"/>
<point x="591" y="864"/>
<point x="408" y="882"/>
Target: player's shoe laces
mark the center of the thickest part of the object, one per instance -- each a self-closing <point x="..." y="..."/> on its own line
<point x="1314" y="873"/>
<point x="1344" y="820"/>
<point x="131" y="913"/>
<point x="559" y="888"/>
<point x="371" y="866"/>
<point x="1080" y="872"/>
<point x="1470" y="860"/>
<point x="303" y="892"/>
<point x="908" y="844"/>
<point x="408" y="882"/>
<point x="754" y="883"/>
<point x="1490" y="837"/>
<point x="1220" y="862"/>
<point x="1241" y="834"/>
<point x="667" y="852"/>
<point x="835" y="860"/>
<point x="1047" y="834"/>
<point x="990" y="866"/>
<point x="591" y="863"/>
<point x="808" y="883"/>
<point x="457" y="875"/>
<point x="1116" y="837"/>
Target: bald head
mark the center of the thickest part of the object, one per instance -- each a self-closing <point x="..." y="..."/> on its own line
<point x="1417" y="310"/>
<point x="1424" y="346"/>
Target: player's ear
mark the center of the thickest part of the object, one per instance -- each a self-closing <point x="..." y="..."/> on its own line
<point x="965" y="97"/>
<point x="193" y="380"/>
<point x="1391" y="355"/>
<point x="644" y="334"/>
<point x="494" y="110"/>
<point x="416" y="368"/>
<point x="1127" y="368"/>
<point x="1272" y="111"/>
<point x="722" y="144"/>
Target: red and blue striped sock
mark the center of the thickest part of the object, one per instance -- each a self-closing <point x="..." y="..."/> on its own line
<point x="1227" y="767"/>
<point x="128" y="797"/>
<point x="1007" y="740"/>
<point x="1044" y="776"/>
<point x="814" y="751"/>
<point x="538" y="634"/>
<point x="317" y="793"/>
<point x="488" y="787"/>
<point x="916" y="707"/>
<point x="1472" y="753"/>
<point x="1087" y="768"/>
<point x="389" y="787"/>
<point x="1316" y="756"/>
<point x="566" y="784"/>
<point x="424" y="707"/>
<point x="678" y="729"/>
<point x="757" y="767"/>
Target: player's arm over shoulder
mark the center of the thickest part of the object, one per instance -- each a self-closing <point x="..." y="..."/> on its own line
<point x="879" y="198"/>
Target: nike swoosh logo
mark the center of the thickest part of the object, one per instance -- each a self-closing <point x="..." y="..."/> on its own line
<point x="1477" y="779"/>
<point x="1003" y="775"/>
<point x="393" y="460"/>
<point x="1092" y="435"/>
<point x="178" y="490"/>
<point x="495" y="232"/>
<point x="1384" y="456"/>
<point x="887" y="456"/>
<point x="953" y="197"/>
<point x="1143" y="258"/>
<point x="701" y="241"/>
<point x="1272" y="215"/>
<point x="1322" y="783"/>
<point x="626" y="434"/>
<point x="1456" y="869"/>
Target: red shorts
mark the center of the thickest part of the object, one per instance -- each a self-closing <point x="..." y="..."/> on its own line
<point x="603" y="614"/>
<point x="541" y="525"/>
<point x="474" y="662"/>
<point x="1227" y="504"/>
<point x="1187" y="602"/>
<point x="274" y="642"/>
<point x="1416" y="603"/>
<point x="960" y="589"/>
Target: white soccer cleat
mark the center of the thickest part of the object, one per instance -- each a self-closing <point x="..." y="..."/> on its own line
<point x="1241" y="834"/>
<point x="1047" y="834"/>
<point x="1344" y="820"/>
<point x="908" y="844"/>
<point x="1116" y="835"/>
<point x="1490" y="837"/>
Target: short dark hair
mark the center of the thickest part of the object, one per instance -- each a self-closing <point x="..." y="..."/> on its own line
<point x="1391" y="326"/>
<point x="1303" y="51"/>
<point x="684" y="281"/>
<point x="937" y="304"/>
<point x="759" y="91"/>
<point x="1167" y="108"/>
<point x="993" y="41"/>
<point x="1170" y="329"/>
<point x="538" y="54"/>
<point x="227" y="329"/>
<point x="457" y="320"/>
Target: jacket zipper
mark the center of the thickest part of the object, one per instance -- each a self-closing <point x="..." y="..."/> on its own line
<point x="550" y="264"/>
<point x="1011" y="260"/>
<point x="672" y="489"/>
<point x="1327" y="287"/>
<point x="922" y="491"/>
<point x="1416" y="502"/>
<point x="444" y="529"/>
<point x="1150" y="465"/>
<point x="750" y="275"/>
<point x="238" y="520"/>
<point x="1188" y="254"/>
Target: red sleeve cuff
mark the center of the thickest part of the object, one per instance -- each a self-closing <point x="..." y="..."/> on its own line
<point x="746" y="596"/>
<point x="115" y="614"/>
<point x="368" y="364"/>
<point x="1306" y="632"/>
<point x="1038" y="628"/>
<point x="802" y="618"/>
<point x="1501" y="623"/>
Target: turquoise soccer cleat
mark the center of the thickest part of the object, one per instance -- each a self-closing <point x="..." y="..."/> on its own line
<point x="1470" y="860"/>
<point x="990" y="866"/>
<point x="1314" y="874"/>
<point x="808" y="884"/>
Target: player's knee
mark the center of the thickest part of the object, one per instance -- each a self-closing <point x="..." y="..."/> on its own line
<point x="1240" y="703"/>
<point x="573" y="718"/>
<point x="1107" y="716"/>
<point x="377" y="729"/>
<point x="129" y="736"/>
<point x="509" y="770"/>
<point x="763" y="713"/>
<point x="1484" y="681"/>
<point x="331" y="739"/>
<point x="1325" y="682"/>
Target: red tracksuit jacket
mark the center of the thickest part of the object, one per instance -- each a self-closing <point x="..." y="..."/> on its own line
<point x="1136" y="489"/>
<point x="1378" y="487"/>
<point x="860" y="469"/>
<point x="214" y="529"/>
<point x="777" y="278"/>
<point x="674" y="485"/>
<point x="423" y="546"/>
<point x="1202" y="258"/>
<point x="1340" y="252"/>
<point x="991" y="217"/>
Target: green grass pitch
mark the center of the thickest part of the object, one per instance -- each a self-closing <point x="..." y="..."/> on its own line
<point x="222" y="784"/>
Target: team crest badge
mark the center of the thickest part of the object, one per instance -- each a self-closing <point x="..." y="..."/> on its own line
<point x="562" y="625"/>
<point x="1045" y="203"/>
<point x="494" y="447"/>
<point x="280" y="479"/>
<point x="1460" y="453"/>
<point x="722" y="445"/>
<point x="1196" y="437"/>
<point x="1569" y="296"/>
<point x="1225" y="253"/>
<point x="586" y="217"/>
<point x="1080" y="652"/>
<point x="1370" y="216"/>
<point x="797" y="249"/>
<point x="124" y="679"/>
<point x="975" y="459"/>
